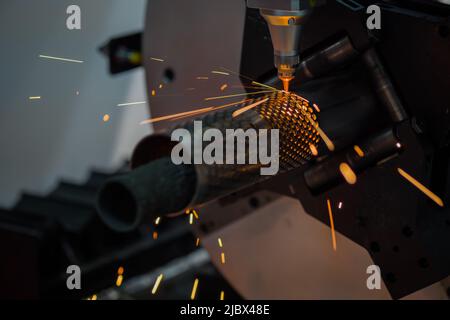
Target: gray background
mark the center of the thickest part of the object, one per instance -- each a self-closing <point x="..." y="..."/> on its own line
<point x="63" y="135"/>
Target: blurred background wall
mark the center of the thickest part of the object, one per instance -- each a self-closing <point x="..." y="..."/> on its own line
<point x="63" y="135"/>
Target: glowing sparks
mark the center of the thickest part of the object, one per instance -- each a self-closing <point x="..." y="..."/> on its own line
<point x="222" y="258"/>
<point x="106" y="118"/>
<point x="264" y="86"/>
<point x="223" y="87"/>
<point x="348" y="174"/>
<point x="359" y="151"/>
<point x="333" y="233"/>
<point x="60" y="59"/>
<point x="236" y="95"/>
<point x="202" y="78"/>
<point x="119" y="280"/>
<point x="247" y="108"/>
<point x="153" y="93"/>
<point x="197" y="242"/>
<point x="157" y="221"/>
<point x="191" y="219"/>
<point x="191" y="113"/>
<point x="157" y="283"/>
<point x="340" y="205"/>
<point x="155" y="235"/>
<point x="157" y="59"/>
<point x="131" y="103"/>
<point x="314" y="150"/>
<point x="316" y="107"/>
<point x="220" y="72"/>
<point x="219" y="240"/>
<point x="399" y="145"/>
<point x="421" y="187"/>
<point x="160" y="86"/>
<point x="34" y="98"/>
<point x="222" y="295"/>
<point x="194" y="289"/>
<point x="120" y="271"/>
<point x="328" y="142"/>
<point x="94" y="297"/>
<point x="195" y="214"/>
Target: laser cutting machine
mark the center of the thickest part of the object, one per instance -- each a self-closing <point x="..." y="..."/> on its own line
<point x="382" y="98"/>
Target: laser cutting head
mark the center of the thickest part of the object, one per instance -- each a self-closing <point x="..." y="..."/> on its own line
<point x="285" y="20"/>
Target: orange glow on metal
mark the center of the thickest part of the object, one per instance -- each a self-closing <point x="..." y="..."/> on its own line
<point x="333" y="233"/>
<point x="421" y="187"/>
<point x="348" y="174"/>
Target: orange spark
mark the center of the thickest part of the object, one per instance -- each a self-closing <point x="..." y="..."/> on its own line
<point x="314" y="150"/>
<point x="247" y="108"/>
<point x="106" y="118"/>
<point x="155" y="235"/>
<point x="235" y="95"/>
<point x="421" y="187"/>
<point x="219" y="240"/>
<point x="222" y="295"/>
<point x="348" y="174"/>
<point x="120" y="271"/>
<point x="157" y="283"/>
<point x="359" y="151"/>
<point x="194" y="289"/>
<point x="333" y="233"/>
<point x="119" y="280"/>
<point x="223" y="87"/>
<point x="220" y="72"/>
<point x="316" y="107"/>
<point x="197" y="243"/>
<point x="193" y="112"/>
<point x="222" y="258"/>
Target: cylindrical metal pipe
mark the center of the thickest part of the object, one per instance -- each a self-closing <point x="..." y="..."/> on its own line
<point x="320" y="63"/>
<point x="326" y="175"/>
<point x="384" y="86"/>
